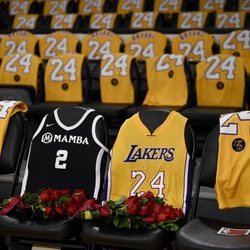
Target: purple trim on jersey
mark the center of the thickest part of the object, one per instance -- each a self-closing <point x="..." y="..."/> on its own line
<point x="104" y="194"/>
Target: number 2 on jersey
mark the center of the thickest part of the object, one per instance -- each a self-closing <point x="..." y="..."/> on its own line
<point x="61" y="157"/>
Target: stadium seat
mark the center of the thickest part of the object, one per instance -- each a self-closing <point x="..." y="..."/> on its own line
<point x="21" y="78"/>
<point x="13" y="136"/>
<point x="66" y="80"/>
<point x="220" y="227"/>
<point x="220" y="87"/>
<point x="195" y="45"/>
<point x="18" y="42"/>
<point x="114" y="86"/>
<point x="58" y="43"/>
<point x="145" y="130"/>
<point x="75" y="163"/>
<point x="165" y="83"/>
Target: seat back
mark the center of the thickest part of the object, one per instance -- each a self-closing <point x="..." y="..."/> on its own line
<point x="65" y="78"/>
<point x="154" y="150"/>
<point x="224" y="84"/>
<point x="223" y="146"/>
<point x="21" y="78"/>
<point x="68" y="150"/>
<point x="12" y="143"/>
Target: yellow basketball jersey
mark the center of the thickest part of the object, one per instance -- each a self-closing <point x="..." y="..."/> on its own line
<point x="167" y="83"/>
<point x="63" y="21"/>
<point x="237" y="43"/>
<point x="7" y="110"/>
<point x="115" y="81"/>
<point x="19" y="7"/>
<point x="18" y="42"/>
<point x="55" y="7"/>
<point x="195" y="45"/>
<point x="230" y="20"/>
<point x="191" y="19"/>
<point x="57" y="43"/>
<point x="244" y="5"/>
<point x="210" y="5"/>
<point x="63" y="78"/>
<point x="100" y="43"/>
<point x="141" y="161"/>
<point x="233" y="172"/>
<point x="86" y="7"/>
<point x="102" y="21"/>
<point x="20" y="69"/>
<point x="126" y="6"/>
<point x="27" y="22"/>
<point x="146" y="44"/>
<point x="143" y="20"/>
<point x="220" y="81"/>
<point x="164" y="6"/>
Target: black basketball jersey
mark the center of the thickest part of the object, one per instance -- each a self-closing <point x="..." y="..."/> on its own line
<point x="66" y="156"/>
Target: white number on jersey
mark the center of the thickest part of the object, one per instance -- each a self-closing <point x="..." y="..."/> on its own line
<point x="209" y="4"/>
<point x="95" y="46"/>
<point x="162" y="65"/>
<point x="242" y="37"/>
<point x="57" y="7"/>
<point x="68" y="68"/>
<point x="188" y="18"/>
<point x="227" y="65"/>
<point x="119" y="63"/>
<point x="88" y="4"/>
<point x="24" y="61"/>
<point x="61" y="157"/>
<point x="99" y="20"/>
<point x="156" y="183"/>
<point x="143" y="17"/>
<point x="17" y="7"/>
<point x="61" y="46"/>
<point x="127" y="5"/>
<point x="13" y="47"/>
<point x="197" y="50"/>
<point x="62" y="21"/>
<point x="164" y="6"/>
<point x="4" y="107"/>
<point x="23" y="21"/>
<point x="224" y="20"/>
<point x="146" y="52"/>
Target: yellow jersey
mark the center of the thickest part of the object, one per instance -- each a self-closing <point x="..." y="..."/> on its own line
<point x="127" y="6"/>
<point x="164" y="6"/>
<point x="27" y="22"/>
<point x="192" y="19"/>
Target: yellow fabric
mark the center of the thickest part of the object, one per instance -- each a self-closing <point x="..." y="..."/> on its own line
<point x="191" y="19"/>
<point x="146" y="44"/>
<point x="55" y="7"/>
<point x="57" y="43"/>
<point x="143" y="20"/>
<point x="18" y="42"/>
<point x="63" y="21"/>
<point x="166" y="78"/>
<point x="20" y="69"/>
<point x="220" y="81"/>
<point x="126" y="6"/>
<point x="195" y="45"/>
<point x="230" y="20"/>
<point x="25" y="21"/>
<point x="90" y="6"/>
<point x="63" y="78"/>
<point x="19" y="7"/>
<point x="7" y="110"/>
<point x="237" y="43"/>
<point x="208" y="5"/>
<point x="164" y="151"/>
<point x="102" y="21"/>
<point x="99" y="43"/>
<point x="233" y="171"/>
<point x="164" y="6"/>
<point x="115" y="81"/>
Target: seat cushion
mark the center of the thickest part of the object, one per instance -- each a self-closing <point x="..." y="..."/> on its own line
<point x="201" y="234"/>
<point x="100" y="233"/>
<point x="56" y="229"/>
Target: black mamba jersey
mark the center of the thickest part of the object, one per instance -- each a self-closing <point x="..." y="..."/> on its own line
<point x="63" y="152"/>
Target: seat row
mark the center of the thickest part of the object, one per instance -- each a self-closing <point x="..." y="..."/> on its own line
<point x="121" y="7"/>
<point x="221" y="21"/>
<point x="163" y="143"/>
<point x="195" y="45"/>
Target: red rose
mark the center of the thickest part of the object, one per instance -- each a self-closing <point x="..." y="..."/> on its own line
<point x="77" y="192"/>
<point x="72" y="209"/>
<point x="157" y="207"/>
<point x="50" y="212"/>
<point x="57" y="194"/>
<point x="46" y="195"/>
<point x="150" y="219"/>
<point x="61" y="211"/>
<point x="161" y="217"/>
<point x="179" y="213"/>
<point x="105" y="211"/>
<point x="149" y="195"/>
<point x="90" y="204"/>
<point x="144" y="210"/>
<point x="133" y="204"/>
<point x="65" y="192"/>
